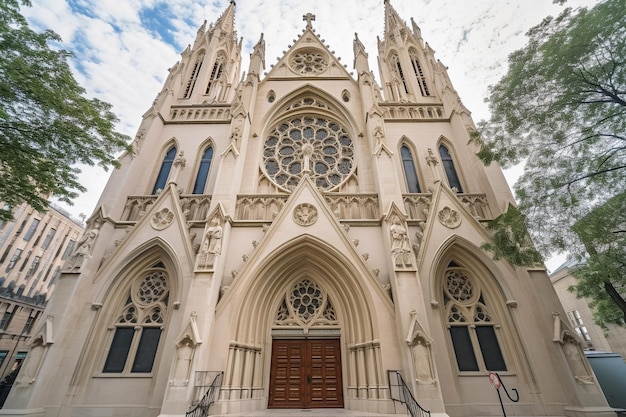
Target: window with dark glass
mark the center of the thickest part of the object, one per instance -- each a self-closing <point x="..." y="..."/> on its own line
<point x="471" y="325"/>
<point x="164" y="172"/>
<point x="216" y="73"/>
<point x="410" y="173"/>
<point x="31" y="230"/>
<point x="69" y="249"/>
<point x="448" y="166"/>
<point x="139" y="325"/>
<point x="397" y="69"/>
<point x="16" y="257"/>
<point x="203" y="171"/>
<point x="48" y="239"/>
<point x="419" y="73"/>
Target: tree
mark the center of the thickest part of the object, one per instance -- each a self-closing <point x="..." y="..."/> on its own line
<point x="561" y="110"/>
<point x="47" y="125"/>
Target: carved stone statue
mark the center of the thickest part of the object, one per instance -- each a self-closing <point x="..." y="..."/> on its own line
<point x="212" y="244"/>
<point x="83" y="250"/>
<point x="400" y="244"/>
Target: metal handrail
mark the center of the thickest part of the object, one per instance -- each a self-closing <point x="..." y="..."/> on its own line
<point x="400" y="392"/>
<point x="202" y="408"/>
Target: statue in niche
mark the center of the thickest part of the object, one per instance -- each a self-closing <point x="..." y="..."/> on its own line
<point x="184" y="357"/>
<point x="574" y="356"/>
<point x="420" y="344"/>
<point x="29" y="370"/>
<point x="212" y="244"/>
<point x="400" y="244"/>
<point x="84" y="248"/>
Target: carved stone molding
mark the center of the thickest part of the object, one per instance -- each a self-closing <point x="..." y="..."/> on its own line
<point x="305" y="214"/>
<point x="449" y="218"/>
<point x="162" y="219"/>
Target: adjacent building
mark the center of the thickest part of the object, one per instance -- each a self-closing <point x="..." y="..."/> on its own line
<point x="304" y="233"/>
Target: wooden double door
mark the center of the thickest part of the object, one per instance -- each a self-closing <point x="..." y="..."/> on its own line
<point x="306" y="373"/>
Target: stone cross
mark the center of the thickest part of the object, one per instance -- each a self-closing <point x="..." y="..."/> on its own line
<point x="309" y="18"/>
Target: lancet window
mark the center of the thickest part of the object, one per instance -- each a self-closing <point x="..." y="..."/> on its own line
<point x="410" y="172"/>
<point x="419" y="73"/>
<point x="203" y="171"/>
<point x="193" y="77"/>
<point x="397" y="69"/>
<point x="164" y="172"/>
<point x="216" y="73"/>
<point x="139" y="323"/>
<point x="472" y="327"/>
<point x="448" y="166"/>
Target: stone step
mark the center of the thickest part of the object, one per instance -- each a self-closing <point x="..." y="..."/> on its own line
<point x="318" y="412"/>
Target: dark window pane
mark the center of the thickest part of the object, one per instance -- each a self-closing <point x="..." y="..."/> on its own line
<point x="120" y="346"/>
<point x="203" y="171"/>
<point x="490" y="348"/>
<point x="147" y="349"/>
<point x="463" y="350"/>
<point x="409" y="170"/>
<point x="448" y="165"/>
<point x="164" y="172"/>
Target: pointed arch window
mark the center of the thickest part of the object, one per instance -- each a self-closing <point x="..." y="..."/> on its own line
<point x="397" y="69"/>
<point x="193" y="77"/>
<point x="410" y="172"/>
<point x="470" y="322"/>
<point x="448" y="166"/>
<point x="216" y="73"/>
<point x="164" y="172"/>
<point x="419" y="73"/>
<point x="139" y="324"/>
<point x="203" y="171"/>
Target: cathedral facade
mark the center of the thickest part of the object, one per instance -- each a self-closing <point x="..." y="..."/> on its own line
<point x="301" y="234"/>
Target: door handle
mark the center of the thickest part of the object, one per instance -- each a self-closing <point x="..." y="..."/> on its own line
<point x="309" y="379"/>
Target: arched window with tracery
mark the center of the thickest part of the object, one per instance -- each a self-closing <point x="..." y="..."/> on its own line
<point x="471" y="322"/>
<point x="216" y="73"/>
<point x="139" y="324"/>
<point x="410" y="172"/>
<point x="397" y="69"/>
<point x="419" y="73"/>
<point x="164" y="172"/>
<point x="306" y="305"/>
<point x="193" y="76"/>
<point x="448" y="166"/>
<point x="203" y="171"/>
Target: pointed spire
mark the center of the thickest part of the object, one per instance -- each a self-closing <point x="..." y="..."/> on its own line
<point x="393" y="22"/>
<point x="226" y="21"/>
<point x="360" y="56"/>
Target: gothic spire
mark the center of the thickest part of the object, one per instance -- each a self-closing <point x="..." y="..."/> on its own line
<point x="394" y="25"/>
<point x="226" y="21"/>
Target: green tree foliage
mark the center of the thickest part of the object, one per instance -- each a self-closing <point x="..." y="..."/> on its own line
<point x="602" y="277"/>
<point x="561" y="110"/>
<point x="47" y="125"/>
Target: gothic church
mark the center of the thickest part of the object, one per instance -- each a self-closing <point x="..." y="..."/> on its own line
<point x="306" y="237"/>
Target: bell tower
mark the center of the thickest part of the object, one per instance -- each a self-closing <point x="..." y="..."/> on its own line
<point x="402" y="60"/>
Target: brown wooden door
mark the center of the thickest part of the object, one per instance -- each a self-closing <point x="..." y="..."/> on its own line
<point x="306" y="374"/>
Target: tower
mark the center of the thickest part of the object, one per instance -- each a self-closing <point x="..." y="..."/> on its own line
<point x="303" y="233"/>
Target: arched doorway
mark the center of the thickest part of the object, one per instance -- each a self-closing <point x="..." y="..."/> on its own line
<point x="306" y="367"/>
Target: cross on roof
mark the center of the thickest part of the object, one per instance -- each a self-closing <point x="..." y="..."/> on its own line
<point x="309" y="18"/>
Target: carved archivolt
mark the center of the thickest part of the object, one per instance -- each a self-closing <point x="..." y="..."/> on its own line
<point x="449" y="217"/>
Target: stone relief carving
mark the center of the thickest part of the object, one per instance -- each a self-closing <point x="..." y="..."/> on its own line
<point x="305" y="214"/>
<point x="162" y="219"/>
<point x="449" y="217"/>
<point x="400" y="244"/>
<point x="421" y="354"/>
<point x="83" y="249"/>
<point x="211" y="244"/>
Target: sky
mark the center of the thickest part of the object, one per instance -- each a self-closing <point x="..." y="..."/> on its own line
<point x="123" y="48"/>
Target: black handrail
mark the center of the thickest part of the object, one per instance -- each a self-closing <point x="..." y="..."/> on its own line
<point x="202" y="408"/>
<point x="400" y="392"/>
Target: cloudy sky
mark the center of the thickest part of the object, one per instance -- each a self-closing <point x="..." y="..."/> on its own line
<point x="123" y="48"/>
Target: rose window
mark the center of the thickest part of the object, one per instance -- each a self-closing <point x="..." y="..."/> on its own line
<point x="308" y="62"/>
<point x="458" y="286"/>
<point x="310" y="144"/>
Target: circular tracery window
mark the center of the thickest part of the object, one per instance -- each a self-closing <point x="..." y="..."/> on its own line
<point x="308" y="62"/>
<point x="308" y="143"/>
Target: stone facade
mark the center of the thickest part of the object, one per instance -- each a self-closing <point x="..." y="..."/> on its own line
<point x="303" y="232"/>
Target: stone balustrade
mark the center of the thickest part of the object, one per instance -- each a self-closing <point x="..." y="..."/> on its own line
<point x="195" y="207"/>
<point x="417" y="206"/>
<point x="199" y="114"/>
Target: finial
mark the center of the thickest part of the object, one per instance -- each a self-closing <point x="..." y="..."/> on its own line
<point x="309" y="18"/>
